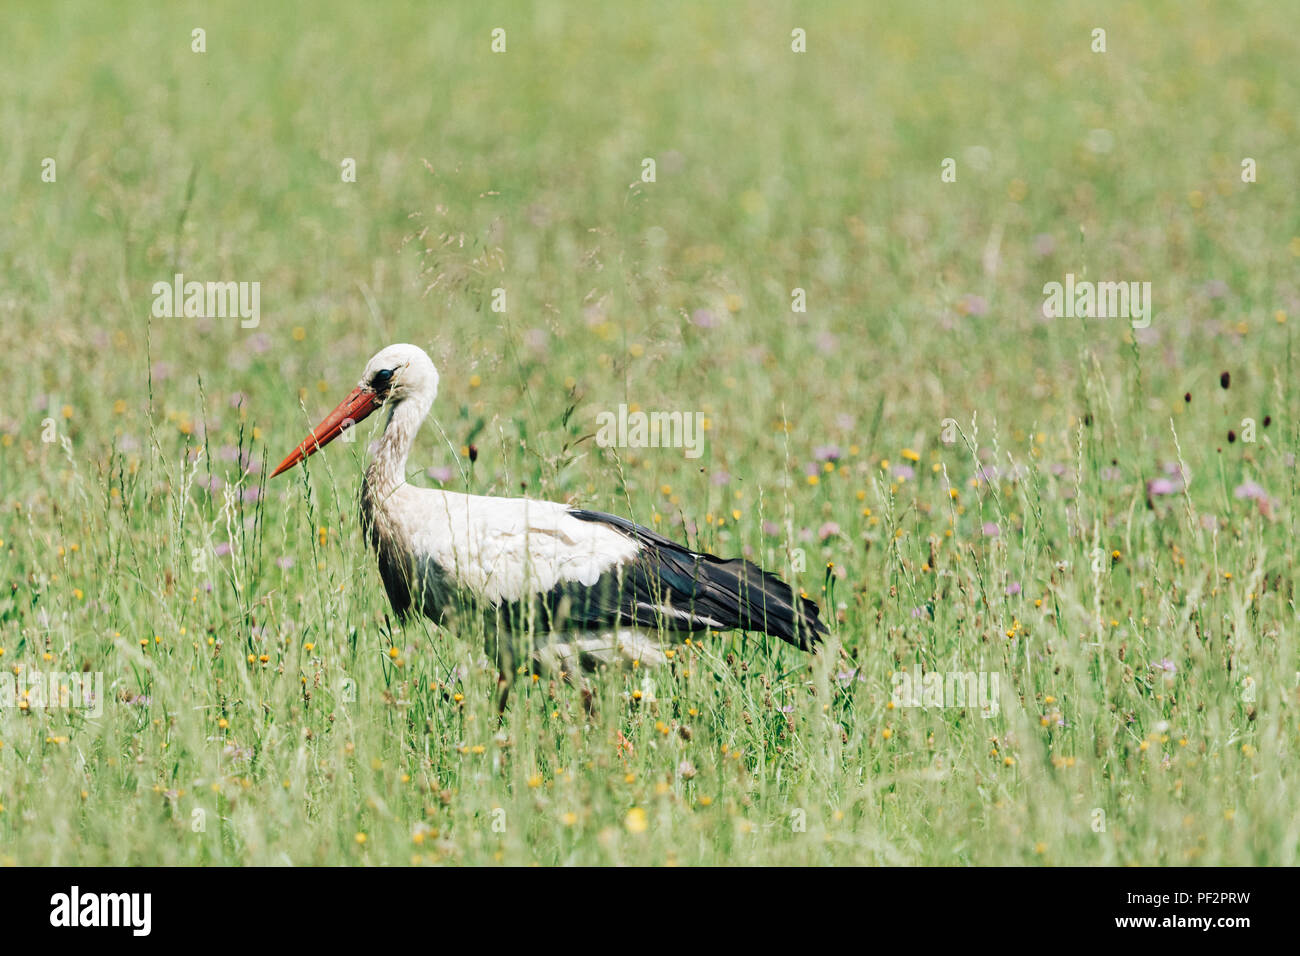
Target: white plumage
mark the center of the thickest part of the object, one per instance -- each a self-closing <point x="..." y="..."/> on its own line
<point x="505" y="549"/>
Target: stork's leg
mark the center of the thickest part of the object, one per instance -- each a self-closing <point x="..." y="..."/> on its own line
<point x="504" y="653"/>
<point x="503" y="693"/>
<point x="566" y="655"/>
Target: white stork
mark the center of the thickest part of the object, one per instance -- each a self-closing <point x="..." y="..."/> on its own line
<point x="569" y="586"/>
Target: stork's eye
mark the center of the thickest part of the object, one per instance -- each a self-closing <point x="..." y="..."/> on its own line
<point x="382" y="378"/>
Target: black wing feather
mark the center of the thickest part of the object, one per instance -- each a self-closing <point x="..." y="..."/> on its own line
<point x="703" y="592"/>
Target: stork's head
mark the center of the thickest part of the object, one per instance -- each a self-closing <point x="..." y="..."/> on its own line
<point x="396" y="374"/>
<point x="401" y="372"/>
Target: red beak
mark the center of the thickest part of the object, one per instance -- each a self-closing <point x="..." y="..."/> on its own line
<point x="351" y="410"/>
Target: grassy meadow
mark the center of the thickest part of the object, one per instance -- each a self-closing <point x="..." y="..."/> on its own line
<point x="966" y="486"/>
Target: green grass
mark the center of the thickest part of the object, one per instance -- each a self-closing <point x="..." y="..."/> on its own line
<point x="1147" y="655"/>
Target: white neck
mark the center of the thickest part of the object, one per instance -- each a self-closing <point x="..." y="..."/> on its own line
<point x="387" y="471"/>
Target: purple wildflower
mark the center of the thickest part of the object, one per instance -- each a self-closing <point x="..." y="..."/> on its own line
<point x="975" y="305"/>
<point x="1250" y="490"/>
<point x="1163" y="486"/>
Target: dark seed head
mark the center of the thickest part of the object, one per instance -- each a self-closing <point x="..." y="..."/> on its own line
<point x="1087" y="420"/>
<point x="473" y="453"/>
<point x="1268" y="420"/>
<point x="1232" y="436"/>
<point x="1187" y="397"/>
<point x="1225" y="379"/>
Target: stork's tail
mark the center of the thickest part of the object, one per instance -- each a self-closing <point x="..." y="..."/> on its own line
<point x="704" y="591"/>
<point x="758" y="601"/>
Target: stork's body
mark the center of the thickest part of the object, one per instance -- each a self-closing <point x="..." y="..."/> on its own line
<point x="570" y="587"/>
